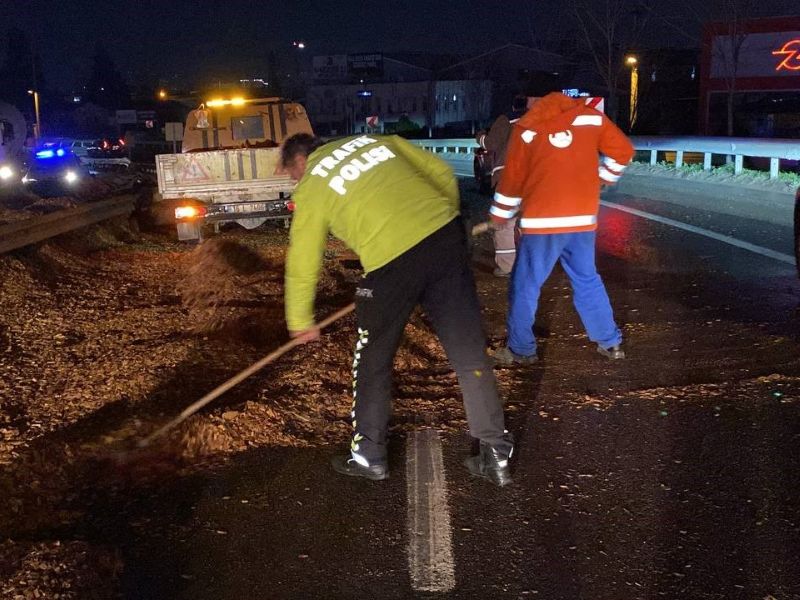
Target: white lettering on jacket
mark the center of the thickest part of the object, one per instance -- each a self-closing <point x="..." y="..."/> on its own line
<point x="328" y="163"/>
<point x="358" y="165"/>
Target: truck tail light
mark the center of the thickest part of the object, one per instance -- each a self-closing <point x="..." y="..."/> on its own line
<point x="190" y="212"/>
<point x="290" y="206"/>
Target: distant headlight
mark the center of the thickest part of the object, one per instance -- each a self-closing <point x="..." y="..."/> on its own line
<point x="6" y="173"/>
<point x="71" y="177"/>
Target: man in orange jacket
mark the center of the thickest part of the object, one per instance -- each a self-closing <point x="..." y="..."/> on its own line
<point x="551" y="181"/>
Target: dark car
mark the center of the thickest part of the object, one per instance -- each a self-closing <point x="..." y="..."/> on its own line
<point x="797" y="230"/>
<point x="53" y="170"/>
<point x="108" y="147"/>
<point x="482" y="166"/>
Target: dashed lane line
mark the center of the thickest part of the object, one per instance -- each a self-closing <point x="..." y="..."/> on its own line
<point x="430" y="543"/>
<point x="726" y="239"/>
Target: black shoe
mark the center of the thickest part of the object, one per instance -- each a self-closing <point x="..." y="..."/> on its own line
<point x="347" y="465"/>
<point x="613" y="353"/>
<point x="491" y="464"/>
<point x="506" y="357"/>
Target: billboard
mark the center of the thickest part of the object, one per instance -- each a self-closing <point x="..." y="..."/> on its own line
<point x="768" y="60"/>
<point x="774" y="54"/>
<point x="331" y="67"/>
<point x="365" y="65"/>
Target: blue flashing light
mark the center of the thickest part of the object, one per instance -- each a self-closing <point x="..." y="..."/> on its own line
<point x="45" y="154"/>
<point x="364" y="93"/>
<point x="60" y="152"/>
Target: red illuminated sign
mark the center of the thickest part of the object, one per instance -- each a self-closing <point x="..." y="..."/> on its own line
<point x="791" y="52"/>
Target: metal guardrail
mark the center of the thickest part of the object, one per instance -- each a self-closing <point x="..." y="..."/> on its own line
<point x="773" y="149"/>
<point x="36" y="229"/>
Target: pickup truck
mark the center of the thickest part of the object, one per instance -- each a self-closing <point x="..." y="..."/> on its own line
<point x="229" y="167"/>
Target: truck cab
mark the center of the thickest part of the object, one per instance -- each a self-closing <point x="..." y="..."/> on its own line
<point x="241" y="123"/>
<point x="229" y="167"/>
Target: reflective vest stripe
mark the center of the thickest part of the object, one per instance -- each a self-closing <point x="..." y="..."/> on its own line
<point x="503" y="214"/>
<point x="558" y="222"/>
<point x="595" y="120"/>
<point x="506" y="200"/>
<point x="607" y="175"/>
<point x="613" y="165"/>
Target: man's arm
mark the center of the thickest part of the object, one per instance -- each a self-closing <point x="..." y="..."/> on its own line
<point x="508" y="197"/>
<point x="497" y="137"/>
<point x="617" y="151"/>
<point x="433" y="168"/>
<point x="307" y="240"/>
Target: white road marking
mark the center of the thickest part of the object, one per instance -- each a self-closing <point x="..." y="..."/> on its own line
<point x="430" y="543"/>
<point x="726" y="239"/>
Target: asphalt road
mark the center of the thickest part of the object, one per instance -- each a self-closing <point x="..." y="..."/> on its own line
<point x="671" y="474"/>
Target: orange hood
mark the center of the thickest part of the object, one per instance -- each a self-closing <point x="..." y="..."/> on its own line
<point x="551" y="113"/>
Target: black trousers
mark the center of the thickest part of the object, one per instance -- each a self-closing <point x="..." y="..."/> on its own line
<point x="435" y="274"/>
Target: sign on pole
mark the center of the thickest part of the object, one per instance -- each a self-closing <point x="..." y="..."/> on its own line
<point x="126" y="117"/>
<point x="174" y="133"/>
<point x="373" y="122"/>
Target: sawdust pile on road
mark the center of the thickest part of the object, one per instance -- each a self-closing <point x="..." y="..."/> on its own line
<point x="99" y="347"/>
<point x="218" y="272"/>
<point x="70" y="571"/>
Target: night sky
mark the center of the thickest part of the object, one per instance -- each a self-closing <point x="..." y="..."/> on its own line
<point x="152" y="39"/>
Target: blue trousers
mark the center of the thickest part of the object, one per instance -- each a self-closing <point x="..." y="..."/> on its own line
<point x="536" y="257"/>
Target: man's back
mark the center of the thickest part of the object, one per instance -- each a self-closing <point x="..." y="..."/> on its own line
<point x="552" y="175"/>
<point x="379" y="194"/>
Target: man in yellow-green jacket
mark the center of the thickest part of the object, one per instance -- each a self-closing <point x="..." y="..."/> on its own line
<point x="397" y="207"/>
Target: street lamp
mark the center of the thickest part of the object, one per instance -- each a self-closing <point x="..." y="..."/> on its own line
<point x="633" y="63"/>
<point x="162" y="94"/>
<point x="37" y="129"/>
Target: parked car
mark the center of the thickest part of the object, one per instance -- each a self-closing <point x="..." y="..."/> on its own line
<point x="80" y="148"/>
<point x="108" y="147"/>
<point x="797" y="230"/>
<point x="482" y="166"/>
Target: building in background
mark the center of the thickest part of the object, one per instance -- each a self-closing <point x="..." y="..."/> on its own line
<point x="513" y="70"/>
<point x="761" y="79"/>
<point x="423" y="93"/>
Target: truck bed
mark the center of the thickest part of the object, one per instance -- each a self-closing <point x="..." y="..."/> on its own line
<point x="221" y="175"/>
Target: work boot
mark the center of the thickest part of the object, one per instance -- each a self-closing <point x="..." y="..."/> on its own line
<point x="507" y="357"/>
<point x="498" y="272"/>
<point x="347" y="465"/>
<point x="613" y="353"/>
<point x="490" y="463"/>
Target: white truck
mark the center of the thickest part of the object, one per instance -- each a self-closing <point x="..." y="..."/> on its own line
<point x="229" y="167"/>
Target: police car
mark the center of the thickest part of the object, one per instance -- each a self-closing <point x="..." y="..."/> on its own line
<point x="53" y="168"/>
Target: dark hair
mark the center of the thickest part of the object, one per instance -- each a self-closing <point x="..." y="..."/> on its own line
<point x="299" y="143"/>
<point x="520" y="103"/>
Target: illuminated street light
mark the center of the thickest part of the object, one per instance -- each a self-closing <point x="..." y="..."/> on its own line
<point x="37" y="128"/>
<point x="299" y="44"/>
<point x="633" y="63"/>
<point x="162" y="94"/>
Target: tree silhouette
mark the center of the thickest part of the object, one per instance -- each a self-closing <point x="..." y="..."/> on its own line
<point x="21" y="71"/>
<point x="106" y="87"/>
